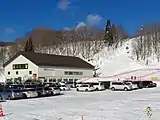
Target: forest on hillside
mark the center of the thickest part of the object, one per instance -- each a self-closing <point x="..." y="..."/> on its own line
<point x="86" y="41"/>
<point x="147" y="43"/>
<point x="83" y="42"/>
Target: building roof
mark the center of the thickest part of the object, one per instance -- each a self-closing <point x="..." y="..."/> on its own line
<point x="52" y="60"/>
<point x="3" y="44"/>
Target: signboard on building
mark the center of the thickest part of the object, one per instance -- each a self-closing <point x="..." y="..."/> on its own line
<point x="154" y="78"/>
<point x="48" y="69"/>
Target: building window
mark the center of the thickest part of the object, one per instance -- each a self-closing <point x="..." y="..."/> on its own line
<point x="20" y="66"/>
<point x="16" y="72"/>
<point x="8" y="73"/>
<point x="73" y="73"/>
<point x="50" y="80"/>
<point x="54" y="80"/>
<point x="30" y="72"/>
<point x="70" y="80"/>
<point x="65" y="80"/>
<point x="26" y="66"/>
<point x="45" y="80"/>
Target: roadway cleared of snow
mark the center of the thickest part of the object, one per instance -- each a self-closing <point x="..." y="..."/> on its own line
<point x="103" y="105"/>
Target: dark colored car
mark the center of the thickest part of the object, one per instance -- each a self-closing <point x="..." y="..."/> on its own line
<point x="14" y="86"/>
<point x="9" y="94"/>
<point x="44" y="91"/>
<point x="151" y="85"/>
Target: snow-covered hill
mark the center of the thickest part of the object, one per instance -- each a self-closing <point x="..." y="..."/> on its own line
<point x="111" y="62"/>
<point x="119" y="61"/>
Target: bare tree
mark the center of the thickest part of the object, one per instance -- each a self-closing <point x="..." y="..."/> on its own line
<point x="3" y="52"/>
<point x="148" y="41"/>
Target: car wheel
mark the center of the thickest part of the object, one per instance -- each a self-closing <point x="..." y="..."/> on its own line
<point x="1" y="98"/>
<point x="9" y="98"/>
<point x="97" y="89"/>
<point x="125" y="89"/>
<point x="64" y="89"/>
<point x="86" y="90"/>
<point x="24" y="96"/>
<point x="39" y="94"/>
<point x="52" y="93"/>
<point x="77" y="89"/>
<point x="113" y="89"/>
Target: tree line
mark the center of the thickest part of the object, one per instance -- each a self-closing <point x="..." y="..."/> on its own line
<point x="146" y="43"/>
<point x="83" y="42"/>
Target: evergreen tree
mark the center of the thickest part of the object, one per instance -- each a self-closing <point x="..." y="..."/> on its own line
<point x="26" y="46"/>
<point x="29" y="46"/>
<point x="108" y="26"/>
<point x="108" y="34"/>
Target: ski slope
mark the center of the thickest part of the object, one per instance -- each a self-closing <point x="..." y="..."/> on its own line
<point x="120" y="62"/>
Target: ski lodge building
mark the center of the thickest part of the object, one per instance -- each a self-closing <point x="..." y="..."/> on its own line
<point x="47" y="67"/>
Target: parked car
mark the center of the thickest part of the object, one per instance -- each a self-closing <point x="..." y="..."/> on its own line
<point x="55" y="91"/>
<point x="146" y="83"/>
<point x="79" y="84"/>
<point x="10" y="94"/>
<point x="151" y="85"/>
<point x="44" y="91"/>
<point x="34" y="86"/>
<point x="70" y="84"/>
<point x="64" y="88"/>
<point x="85" y="87"/>
<point x="98" y="86"/>
<point x="14" y="86"/>
<point x="29" y="93"/>
<point x="119" y="85"/>
<point x="132" y="84"/>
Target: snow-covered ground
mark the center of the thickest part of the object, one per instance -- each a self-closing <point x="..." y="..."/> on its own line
<point x="101" y="105"/>
<point x="119" y="61"/>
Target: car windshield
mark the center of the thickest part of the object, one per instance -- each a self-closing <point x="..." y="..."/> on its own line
<point x="25" y="90"/>
<point x="56" y="88"/>
<point x="47" y="88"/>
<point x="127" y="83"/>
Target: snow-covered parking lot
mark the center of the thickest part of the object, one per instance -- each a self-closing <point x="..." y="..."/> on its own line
<point x="100" y="105"/>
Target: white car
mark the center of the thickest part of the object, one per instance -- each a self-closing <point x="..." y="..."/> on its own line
<point x="98" y="86"/>
<point x="29" y="93"/>
<point x="86" y="87"/>
<point x="120" y="85"/>
<point x="134" y="85"/>
<point x="55" y="90"/>
<point x="64" y="88"/>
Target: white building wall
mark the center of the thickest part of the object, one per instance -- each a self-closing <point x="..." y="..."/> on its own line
<point x="46" y="71"/>
<point x="21" y="72"/>
<point x="59" y="72"/>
